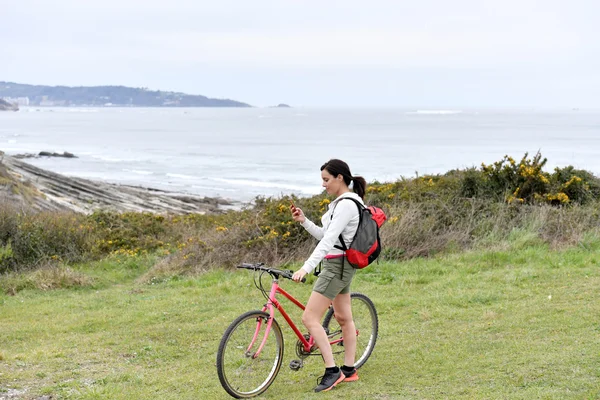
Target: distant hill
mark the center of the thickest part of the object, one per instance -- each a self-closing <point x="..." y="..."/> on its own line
<point x="98" y="96"/>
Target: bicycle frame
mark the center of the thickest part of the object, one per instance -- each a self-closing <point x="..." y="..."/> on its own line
<point x="270" y="307"/>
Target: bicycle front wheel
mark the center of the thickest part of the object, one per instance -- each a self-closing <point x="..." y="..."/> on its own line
<point x="367" y="326"/>
<point x="244" y="368"/>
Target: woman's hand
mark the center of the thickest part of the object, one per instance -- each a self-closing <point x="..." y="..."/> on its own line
<point x="297" y="214"/>
<point x="298" y="275"/>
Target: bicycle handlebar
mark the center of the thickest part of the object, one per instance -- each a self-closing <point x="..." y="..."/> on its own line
<point x="274" y="272"/>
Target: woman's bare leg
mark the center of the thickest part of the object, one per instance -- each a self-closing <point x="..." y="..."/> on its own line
<point x="311" y="318"/>
<point x="343" y="315"/>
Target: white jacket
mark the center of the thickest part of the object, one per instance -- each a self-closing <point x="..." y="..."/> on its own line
<point x="345" y="221"/>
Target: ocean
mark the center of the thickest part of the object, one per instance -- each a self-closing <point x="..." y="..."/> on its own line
<point x="240" y="153"/>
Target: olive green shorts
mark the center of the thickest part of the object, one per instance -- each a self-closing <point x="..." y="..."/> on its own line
<point x="331" y="281"/>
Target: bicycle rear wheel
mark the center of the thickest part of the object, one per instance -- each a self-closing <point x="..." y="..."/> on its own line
<point x="242" y="373"/>
<point x="367" y="326"/>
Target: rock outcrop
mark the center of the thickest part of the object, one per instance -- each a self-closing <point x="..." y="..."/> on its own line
<point x="65" y="154"/>
<point x="6" y="106"/>
<point x="25" y="185"/>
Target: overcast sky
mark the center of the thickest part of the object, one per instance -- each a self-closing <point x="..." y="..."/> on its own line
<point x="426" y="53"/>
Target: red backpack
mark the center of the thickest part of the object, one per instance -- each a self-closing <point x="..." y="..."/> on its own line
<point x="366" y="244"/>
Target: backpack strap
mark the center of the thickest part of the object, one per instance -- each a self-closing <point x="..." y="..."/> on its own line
<point x="340" y="238"/>
<point x="343" y="246"/>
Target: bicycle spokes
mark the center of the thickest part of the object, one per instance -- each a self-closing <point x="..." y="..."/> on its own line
<point x="248" y="359"/>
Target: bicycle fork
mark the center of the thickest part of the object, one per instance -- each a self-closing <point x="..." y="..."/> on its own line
<point x="269" y="308"/>
<point x="259" y="323"/>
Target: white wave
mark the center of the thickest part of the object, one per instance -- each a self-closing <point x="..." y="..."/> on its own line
<point x="81" y="110"/>
<point x="11" y="151"/>
<point x="139" y="171"/>
<point x="436" y="112"/>
<point x="263" y="184"/>
<point x="216" y="189"/>
<point x="181" y="176"/>
<point x="114" y="159"/>
<point x="89" y="175"/>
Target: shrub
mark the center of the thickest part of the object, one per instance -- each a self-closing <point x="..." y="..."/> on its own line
<point x="127" y="231"/>
<point x="526" y="182"/>
<point x="50" y="236"/>
<point x="8" y="224"/>
<point x="265" y="233"/>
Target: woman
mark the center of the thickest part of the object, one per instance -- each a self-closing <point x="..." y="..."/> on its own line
<point x="333" y="284"/>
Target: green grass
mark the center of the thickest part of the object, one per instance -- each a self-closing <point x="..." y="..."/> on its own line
<point x="518" y="323"/>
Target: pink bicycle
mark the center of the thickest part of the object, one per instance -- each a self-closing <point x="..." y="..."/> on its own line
<point x="251" y="350"/>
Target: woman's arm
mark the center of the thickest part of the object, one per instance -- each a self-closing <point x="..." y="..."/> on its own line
<point x="344" y="212"/>
<point x="316" y="231"/>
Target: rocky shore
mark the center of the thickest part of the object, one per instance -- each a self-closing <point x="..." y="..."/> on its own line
<point x="25" y="185"/>
<point x="6" y="106"/>
<point x="65" y="154"/>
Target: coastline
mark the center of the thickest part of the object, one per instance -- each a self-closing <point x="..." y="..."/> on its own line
<point x="24" y="185"/>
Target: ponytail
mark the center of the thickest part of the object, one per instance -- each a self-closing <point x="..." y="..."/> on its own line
<point x="359" y="185"/>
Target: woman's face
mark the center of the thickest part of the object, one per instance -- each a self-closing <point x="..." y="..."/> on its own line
<point x="333" y="185"/>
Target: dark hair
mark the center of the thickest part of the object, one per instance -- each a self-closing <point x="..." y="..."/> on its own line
<point x="338" y="167"/>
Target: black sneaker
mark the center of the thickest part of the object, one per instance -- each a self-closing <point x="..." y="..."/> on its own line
<point x="329" y="380"/>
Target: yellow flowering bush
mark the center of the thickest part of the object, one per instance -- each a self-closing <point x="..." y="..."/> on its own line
<point x="558" y="198"/>
<point x="50" y="236"/>
<point x="526" y="182"/>
<point x="127" y="231"/>
<point x="508" y="180"/>
<point x="274" y="224"/>
<point x="406" y="190"/>
<point x="580" y="186"/>
<point x="521" y="180"/>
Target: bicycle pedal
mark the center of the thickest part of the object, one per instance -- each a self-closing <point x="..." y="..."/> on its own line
<point x="295" y="365"/>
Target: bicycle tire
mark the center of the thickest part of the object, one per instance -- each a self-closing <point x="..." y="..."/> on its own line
<point x="367" y="324"/>
<point x="241" y="375"/>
